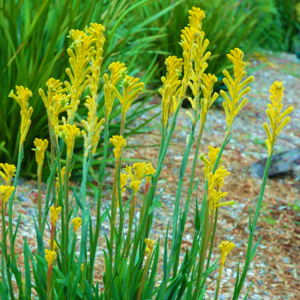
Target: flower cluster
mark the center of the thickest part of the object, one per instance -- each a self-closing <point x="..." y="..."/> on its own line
<point x="40" y="148"/>
<point x="8" y="173"/>
<point x="277" y="119"/>
<point x="119" y="143"/>
<point x="225" y="248"/>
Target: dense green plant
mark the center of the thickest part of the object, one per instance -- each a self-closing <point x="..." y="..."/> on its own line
<point x="34" y="47"/>
<point x="63" y="268"/>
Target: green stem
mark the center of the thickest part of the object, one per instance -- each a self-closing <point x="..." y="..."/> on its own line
<point x="131" y="217"/>
<point x="219" y="282"/>
<point x="252" y="229"/>
<point x="40" y="197"/>
<point x="212" y="238"/>
<point x="99" y="198"/>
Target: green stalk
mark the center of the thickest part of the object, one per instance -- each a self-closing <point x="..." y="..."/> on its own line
<point x="5" y="248"/>
<point x="131" y="217"/>
<point x="68" y="159"/>
<point x="212" y="238"/>
<point x="40" y="197"/>
<point x="10" y="207"/>
<point x="219" y="281"/>
<point x="252" y="229"/>
<point x="100" y="188"/>
<point x="146" y="267"/>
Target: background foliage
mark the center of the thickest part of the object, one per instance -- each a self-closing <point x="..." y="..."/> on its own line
<point x="33" y="45"/>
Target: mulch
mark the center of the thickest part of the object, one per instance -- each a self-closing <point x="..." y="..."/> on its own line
<point x="275" y="270"/>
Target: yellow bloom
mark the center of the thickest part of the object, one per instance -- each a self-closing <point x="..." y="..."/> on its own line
<point x="56" y="101"/>
<point x="50" y="257"/>
<point x="277" y="119"/>
<point x="149" y="171"/>
<point x="93" y="128"/>
<point x="8" y="173"/>
<point x="225" y="248"/>
<point x="54" y="212"/>
<point x="22" y="97"/>
<point x="131" y="89"/>
<point x="40" y="148"/>
<point x="119" y="143"/>
<point x="55" y="246"/>
<point x="150" y="245"/>
<point x="123" y="181"/>
<point x="5" y="192"/>
<point x="96" y="31"/>
<point x="210" y="161"/>
<point x="216" y="180"/>
<point x="236" y="87"/>
<point x="196" y="17"/>
<point x="68" y="133"/>
<point x="214" y="198"/>
<point x="118" y="71"/>
<point x="82" y="267"/>
<point x="170" y="87"/>
<point x="77" y="222"/>
<point x="80" y="52"/>
<point x="137" y="172"/>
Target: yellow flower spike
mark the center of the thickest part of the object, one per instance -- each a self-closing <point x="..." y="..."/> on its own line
<point x="217" y="179"/>
<point x="150" y="245"/>
<point x="68" y="133"/>
<point x="119" y="143"/>
<point x="170" y="87"/>
<point x="214" y="198"/>
<point x="6" y="192"/>
<point x="196" y="17"/>
<point x="209" y="162"/>
<point x="131" y="89"/>
<point x="123" y="181"/>
<point x="22" y="97"/>
<point x="50" y="257"/>
<point x="8" y="173"/>
<point x="40" y="148"/>
<point x="225" y="248"/>
<point x="277" y="119"/>
<point x="118" y="71"/>
<point x="149" y="170"/>
<point x="135" y="186"/>
<point x="94" y="131"/>
<point x="80" y="52"/>
<point x="54" y="212"/>
<point x="77" y="222"/>
<point x="82" y="267"/>
<point x="236" y="87"/>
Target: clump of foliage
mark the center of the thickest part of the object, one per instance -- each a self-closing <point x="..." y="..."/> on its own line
<point x="63" y="267"/>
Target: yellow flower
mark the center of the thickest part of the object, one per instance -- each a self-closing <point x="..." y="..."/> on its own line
<point x="196" y="17"/>
<point x="56" y="102"/>
<point x="40" y="148"/>
<point x="150" y="245"/>
<point x="123" y="181"/>
<point x="22" y="97"/>
<point x="210" y="161"/>
<point x="225" y="248"/>
<point x="80" y="52"/>
<point x="6" y="192"/>
<point x="54" y="212"/>
<point x="8" y="173"/>
<point x="50" y="257"/>
<point x="137" y="172"/>
<point x="82" y="267"/>
<point x="170" y="87"/>
<point x="149" y="170"/>
<point x="68" y="133"/>
<point x="118" y="71"/>
<point x="236" y="87"/>
<point x="277" y="119"/>
<point x="214" y="199"/>
<point x="93" y="128"/>
<point x="216" y="180"/>
<point x="77" y="222"/>
<point x="131" y="89"/>
<point x="119" y="143"/>
<point x="55" y="246"/>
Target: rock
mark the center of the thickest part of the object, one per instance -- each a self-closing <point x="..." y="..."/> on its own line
<point x="284" y="163"/>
